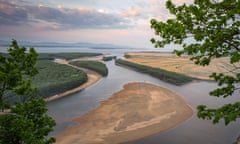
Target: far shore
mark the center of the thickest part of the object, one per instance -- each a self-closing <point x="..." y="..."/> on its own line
<point x="137" y="111"/>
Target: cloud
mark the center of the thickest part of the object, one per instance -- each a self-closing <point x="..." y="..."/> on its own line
<point x="131" y="12"/>
<point x="11" y="14"/>
<point x="65" y="18"/>
<point x="159" y="10"/>
<point x="90" y="18"/>
<point x="180" y="2"/>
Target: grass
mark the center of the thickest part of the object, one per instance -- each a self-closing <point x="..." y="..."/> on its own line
<point x="168" y="76"/>
<point x="99" y="67"/>
<point x="55" y="78"/>
<point x="108" y="58"/>
<point x="182" y="65"/>
<point x="67" y="56"/>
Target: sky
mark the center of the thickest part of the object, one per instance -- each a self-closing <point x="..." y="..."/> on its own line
<point x="124" y="22"/>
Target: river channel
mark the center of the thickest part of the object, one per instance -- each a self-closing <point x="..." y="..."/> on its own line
<point x="192" y="131"/>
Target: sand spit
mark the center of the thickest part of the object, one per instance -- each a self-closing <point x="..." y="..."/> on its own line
<point x="137" y="111"/>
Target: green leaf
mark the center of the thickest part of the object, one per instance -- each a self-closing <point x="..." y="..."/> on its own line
<point x="206" y="29"/>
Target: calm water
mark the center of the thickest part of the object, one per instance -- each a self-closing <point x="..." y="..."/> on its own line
<point x="193" y="131"/>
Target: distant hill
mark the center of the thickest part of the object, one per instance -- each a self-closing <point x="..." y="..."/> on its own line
<point x="58" y="44"/>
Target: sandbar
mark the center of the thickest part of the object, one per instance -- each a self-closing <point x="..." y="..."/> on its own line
<point x="139" y="110"/>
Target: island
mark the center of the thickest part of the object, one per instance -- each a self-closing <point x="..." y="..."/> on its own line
<point x="137" y="111"/>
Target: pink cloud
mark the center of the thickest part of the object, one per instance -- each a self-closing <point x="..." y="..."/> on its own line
<point x="131" y="12"/>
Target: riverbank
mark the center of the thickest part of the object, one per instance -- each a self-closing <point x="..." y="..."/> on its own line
<point x="182" y="65"/>
<point x="137" y="111"/>
<point x="93" y="77"/>
<point x="164" y="75"/>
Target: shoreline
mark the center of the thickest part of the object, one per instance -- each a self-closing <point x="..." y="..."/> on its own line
<point x="182" y="65"/>
<point x="93" y="77"/>
<point x="138" y="110"/>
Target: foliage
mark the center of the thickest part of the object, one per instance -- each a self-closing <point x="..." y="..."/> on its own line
<point x="108" y="58"/>
<point x="99" y="67"/>
<point x="27" y="123"/>
<point x="55" y="78"/>
<point x="171" y="77"/>
<point x="67" y="56"/>
<point x="213" y="27"/>
<point x="16" y="70"/>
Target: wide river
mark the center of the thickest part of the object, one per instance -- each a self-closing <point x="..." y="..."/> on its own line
<point x="192" y="131"/>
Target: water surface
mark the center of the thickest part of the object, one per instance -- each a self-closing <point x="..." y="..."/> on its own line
<point x="194" y="130"/>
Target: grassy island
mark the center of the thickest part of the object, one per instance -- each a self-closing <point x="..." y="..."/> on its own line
<point x="175" y="69"/>
<point x="168" y="76"/>
<point x="55" y="78"/>
<point x="93" y="65"/>
<point x="66" y="56"/>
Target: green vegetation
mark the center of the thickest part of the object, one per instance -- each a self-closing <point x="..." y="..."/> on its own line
<point x="213" y="28"/>
<point x="66" y="56"/>
<point x="55" y="78"/>
<point x="99" y="67"/>
<point x="17" y="69"/>
<point x="171" y="77"/>
<point x="108" y="58"/>
<point x="27" y="121"/>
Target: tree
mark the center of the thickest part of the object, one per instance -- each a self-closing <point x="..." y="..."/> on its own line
<point x="26" y="121"/>
<point x="213" y="27"/>
<point x="16" y="71"/>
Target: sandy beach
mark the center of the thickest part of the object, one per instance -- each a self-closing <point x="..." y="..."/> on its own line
<point x="137" y="111"/>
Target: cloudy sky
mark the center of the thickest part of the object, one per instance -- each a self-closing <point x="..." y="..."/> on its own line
<point x="123" y="22"/>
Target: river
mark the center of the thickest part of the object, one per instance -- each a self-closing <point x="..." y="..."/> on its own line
<point x="192" y="131"/>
